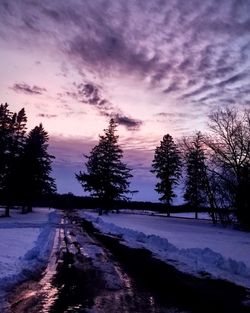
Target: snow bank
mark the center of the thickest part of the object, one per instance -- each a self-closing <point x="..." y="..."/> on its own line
<point x="25" y="245"/>
<point x="197" y="261"/>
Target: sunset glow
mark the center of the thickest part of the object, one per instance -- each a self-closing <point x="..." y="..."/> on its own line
<point x="156" y="66"/>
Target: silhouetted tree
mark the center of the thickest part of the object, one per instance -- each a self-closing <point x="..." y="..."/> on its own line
<point x="5" y="144"/>
<point x="12" y="137"/>
<point x="16" y="148"/>
<point x="106" y="176"/>
<point x="167" y="166"/>
<point x="196" y="173"/>
<point x="19" y="121"/>
<point x="35" y="165"/>
<point x="230" y="147"/>
<point x="5" y="135"/>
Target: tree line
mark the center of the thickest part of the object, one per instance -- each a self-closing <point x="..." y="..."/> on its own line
<point x="25" y="164"/>
<point x="215" y="168"/>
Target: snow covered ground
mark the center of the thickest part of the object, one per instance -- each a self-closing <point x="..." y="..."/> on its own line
<point x="25" y="244"/>
<point x="201" y="215"/>
<point x="192" y="246"/>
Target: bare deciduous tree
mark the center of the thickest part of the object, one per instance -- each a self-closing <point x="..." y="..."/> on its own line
<point x="229" y="143"/>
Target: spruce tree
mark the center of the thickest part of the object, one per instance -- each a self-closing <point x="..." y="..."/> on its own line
<point x="36" y="168"/>
<point x="167" y="166"/>
<point x="16" y="144"/>
<point x="19" y="126"/>
<point x="106" y="176"/>
<point x="196" y="174"/>
<point x="5" y="146"/>
<point x="5" y="139"/>
<point x="12" y="136"/>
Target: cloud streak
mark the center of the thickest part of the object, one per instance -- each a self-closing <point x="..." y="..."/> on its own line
<point x="46" y="115"/>
<point x="129" y="122"/>
<point x="27" y="89"/>
<point x="126" y="60"/>
<point x="182" y="47"/>
<point x="90" y="93"/>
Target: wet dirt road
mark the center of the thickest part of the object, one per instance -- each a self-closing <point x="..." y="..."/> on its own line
<point x="94" y="273"/>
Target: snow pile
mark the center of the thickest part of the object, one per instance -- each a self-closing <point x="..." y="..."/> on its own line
<point x="197" y="261"/>
<point x="25" y="245"/>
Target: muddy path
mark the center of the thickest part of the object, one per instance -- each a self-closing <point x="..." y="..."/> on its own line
<point x="95" y="273"/>
<point x="82" y="276"/>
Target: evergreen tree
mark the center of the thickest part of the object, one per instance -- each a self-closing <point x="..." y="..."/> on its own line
<point x="19" y="126"/>
<point x="12" y="129"/>
<point x="167" y="166"/>
<point x="196" y="174"/>
<point x="106" y="176"/>
<point x="5" y="138"/>
<point x="16" y="149"/>
<point x="35" y="166"/>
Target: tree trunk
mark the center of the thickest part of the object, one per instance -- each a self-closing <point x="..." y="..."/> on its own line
<point x="212" y="202"/>
<point x="168" y="209"/>
<point x="212" y="214"/>
<point x="7" y="211"/>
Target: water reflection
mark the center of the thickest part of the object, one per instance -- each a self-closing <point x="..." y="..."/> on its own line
<point x="48" y="289"/>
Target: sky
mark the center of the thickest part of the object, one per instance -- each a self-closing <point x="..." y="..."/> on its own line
<point x="157" y="67"/>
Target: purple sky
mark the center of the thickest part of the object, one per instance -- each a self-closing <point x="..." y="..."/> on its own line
<point x="156" y="66"/>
